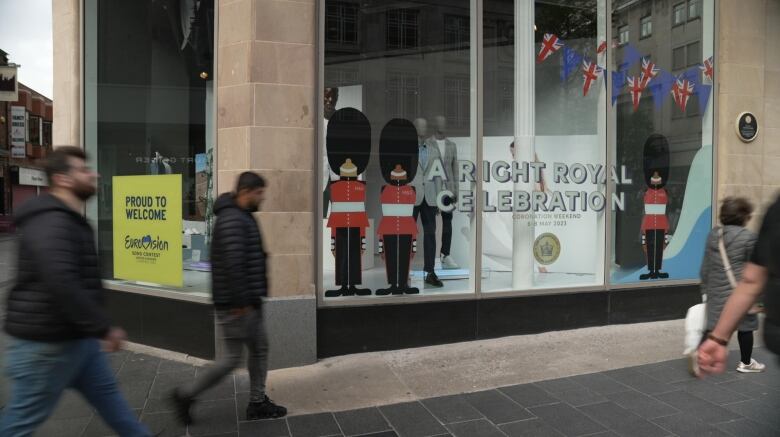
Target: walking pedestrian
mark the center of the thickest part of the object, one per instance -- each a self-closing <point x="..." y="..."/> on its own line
<point x="239" y="285"/>
<point x="55" y="314"/>
<point x="761" y="275"/>
<point x="727" y="250"/>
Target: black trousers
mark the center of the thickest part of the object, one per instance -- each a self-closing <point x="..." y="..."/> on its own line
<point x="654" y="239"/>
<point x="398" y="254"/>
<point x="446" y="232"/>
<point x="348" y="256"/>
<point x="427" y="214"/>
<point x="745" y="339"/>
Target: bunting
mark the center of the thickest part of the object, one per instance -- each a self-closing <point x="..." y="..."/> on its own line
<point x="649" y="71"/>
<point x="571" y="62"/>
<point x="682" y="91"/>
<point x="636" y="88"/>
<point x="550" y="45"/>
<point x="590" y="73"/>
<point x="708" y="68"/>
<point x="656" y="81"/>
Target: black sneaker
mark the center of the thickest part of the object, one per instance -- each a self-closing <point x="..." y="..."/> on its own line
<point x="265" y="409"/>
<point x="431" y="280"/>
<point x="182" y="407"/>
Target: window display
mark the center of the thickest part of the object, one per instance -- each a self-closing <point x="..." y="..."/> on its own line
<point x="149" y="115"/>
<point x="553" y="147"/>
<point x="397" y="126"/>
<point x="583" y="177"/>
<point x="663" y="136"/>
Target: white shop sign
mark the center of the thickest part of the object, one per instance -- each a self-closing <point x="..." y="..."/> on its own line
<point x="31" y="176"/>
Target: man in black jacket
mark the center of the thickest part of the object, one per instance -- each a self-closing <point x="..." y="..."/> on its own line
<point x="55" y="313"/>
<point x="238" y="269"/>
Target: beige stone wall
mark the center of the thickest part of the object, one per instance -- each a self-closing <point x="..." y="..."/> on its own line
<point x="66" y="25"/>
<point x="748" y="77"/>
<point x="265" y="119"/>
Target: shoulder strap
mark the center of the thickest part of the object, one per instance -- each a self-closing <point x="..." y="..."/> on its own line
<point x="724" y="257"/>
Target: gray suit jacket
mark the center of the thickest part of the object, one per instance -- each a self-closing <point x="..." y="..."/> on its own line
<point x="428" y="189"/>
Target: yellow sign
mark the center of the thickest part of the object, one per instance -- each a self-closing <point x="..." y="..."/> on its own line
<point x="147" y="229"/>
<point x="547" y="249"/>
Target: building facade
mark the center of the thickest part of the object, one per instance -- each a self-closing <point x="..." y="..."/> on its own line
<point x="566" y="158"/>
<point x="25" y="136"/>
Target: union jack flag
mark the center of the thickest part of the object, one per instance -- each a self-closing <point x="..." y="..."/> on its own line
<point x="550" y="45"/>
<point x="636" y="88"/>
<point x="682" y="91"/>
<point x="708" y="68"/>
<point x="649" y="71"/>
<point x="590" y="73"/>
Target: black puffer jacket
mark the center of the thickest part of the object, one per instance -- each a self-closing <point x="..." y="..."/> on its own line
<point x="58" y="294"/>
<point x="238" y="260"/>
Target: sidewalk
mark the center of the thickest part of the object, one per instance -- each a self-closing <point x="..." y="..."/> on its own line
<point x="606" y="381"/>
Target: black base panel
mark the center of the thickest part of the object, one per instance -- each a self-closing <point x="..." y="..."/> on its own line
<point x="346" y="330"/>
<point x="180" y="326"/>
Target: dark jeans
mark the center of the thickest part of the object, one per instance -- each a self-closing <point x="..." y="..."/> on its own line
<point x="427" y="214"/>
<point x="238" y="331"/>
<point x="446" y="233"/>
<point x="41" y="371"/>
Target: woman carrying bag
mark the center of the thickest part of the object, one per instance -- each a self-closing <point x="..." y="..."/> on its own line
<point x="727" y="250"/>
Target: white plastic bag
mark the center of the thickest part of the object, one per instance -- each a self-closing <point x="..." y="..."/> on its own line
<point x="695" y="321"/>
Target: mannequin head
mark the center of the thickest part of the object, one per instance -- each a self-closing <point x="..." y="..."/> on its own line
<point x="330" y="101"/>
<point x="440" y="127"/>
<point x="421" y="125"/>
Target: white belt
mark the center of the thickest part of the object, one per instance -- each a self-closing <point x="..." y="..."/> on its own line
<point x="655" y="209"/>
<point x="398" y="210"/>
<point x="348" y="207"/>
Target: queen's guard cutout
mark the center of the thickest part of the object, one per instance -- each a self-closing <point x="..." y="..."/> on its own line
<point x="398" y="228"/>
<point x="655" y="224"/>
<point x="348" y="143"/>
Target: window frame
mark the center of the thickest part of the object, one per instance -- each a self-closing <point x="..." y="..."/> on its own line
<point x="646" y="22"/>
<point x="684" y="12"/>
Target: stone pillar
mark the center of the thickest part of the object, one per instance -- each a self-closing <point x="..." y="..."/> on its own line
<point x="66" y="32"/>
<point x="265" y="122"/>
<point x="748" y="79"/>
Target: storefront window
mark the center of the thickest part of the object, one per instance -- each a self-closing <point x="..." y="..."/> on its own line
<point x="149" y="128"/>
<point x="662" y="97"/>
<point x="584" y="173"/>
<point x="545" y="203"/>
<point x="397" y="130"/>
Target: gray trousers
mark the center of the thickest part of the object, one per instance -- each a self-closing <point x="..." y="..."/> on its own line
<point x="238" y="331"/>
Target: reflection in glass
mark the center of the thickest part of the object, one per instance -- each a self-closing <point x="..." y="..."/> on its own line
<point x="663" y="137"/>
<point x="406" y="67"/>
<point x="148" y="110"/>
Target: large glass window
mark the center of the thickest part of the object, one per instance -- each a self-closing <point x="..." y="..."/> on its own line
<point x="544" y="198"/>
<point x="397" y="132"/>
<point x="583" y="176"/>
<point x="663" y="92"/>
<point x="148" y="115"/>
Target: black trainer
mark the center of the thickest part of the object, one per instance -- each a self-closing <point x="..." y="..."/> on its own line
<point x="431" y="280"/>
<point x="265" y="409"/>
<point x="182" y="407"/>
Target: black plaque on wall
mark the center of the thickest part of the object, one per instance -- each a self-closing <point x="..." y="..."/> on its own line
<point x="747" y="127"/>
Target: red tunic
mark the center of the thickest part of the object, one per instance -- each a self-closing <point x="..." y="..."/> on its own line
<point x="348" y="206"/>
<point x="397" y="207"/>
<point x="655" y="210"/>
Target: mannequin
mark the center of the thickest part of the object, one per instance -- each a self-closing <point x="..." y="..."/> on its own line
<point x="398" y="229"/>
<point x="448" y="151"/>
<point x="425" y="199"/>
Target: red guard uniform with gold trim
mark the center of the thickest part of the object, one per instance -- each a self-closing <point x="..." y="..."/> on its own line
<point x="655" y="227"/>
<point x="348" y="222"/>
<point x="398" y="232"/>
